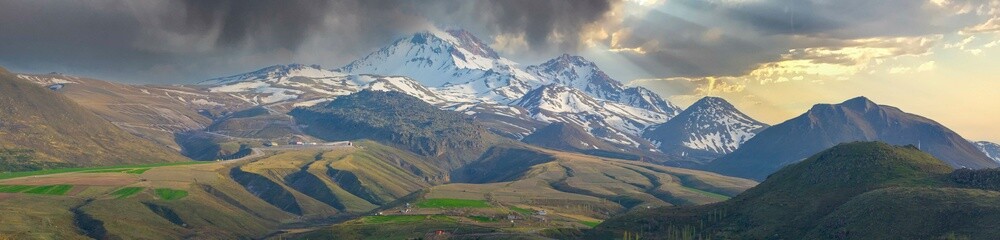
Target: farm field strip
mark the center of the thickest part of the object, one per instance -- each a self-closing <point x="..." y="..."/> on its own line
<point x="9" y="175"/>
<point x="60" y="189"/>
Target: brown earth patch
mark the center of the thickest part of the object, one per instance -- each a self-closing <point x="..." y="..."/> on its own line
<point x="5" y="196"/>
<point x="76" y="190"/>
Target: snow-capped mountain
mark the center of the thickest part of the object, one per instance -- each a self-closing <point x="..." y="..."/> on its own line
<point x="611" y="121"/>
<point x="991" y="150"/>
<point x="304" y="85"/>
<point x="579" y="73"/>
<point x="455" y="61"/>
<point x="456" y="71"/>
<point x="708" y="128"/>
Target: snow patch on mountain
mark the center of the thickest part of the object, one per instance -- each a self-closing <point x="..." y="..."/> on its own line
<point x="991" y="150"/>
<point x="579" y="73"/>
<point x="303" y="85"/>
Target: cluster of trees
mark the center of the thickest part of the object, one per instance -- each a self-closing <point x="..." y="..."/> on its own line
<point x="988" y="179"/>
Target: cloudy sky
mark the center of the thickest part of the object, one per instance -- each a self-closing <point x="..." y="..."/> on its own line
<point x="772" y="58"/>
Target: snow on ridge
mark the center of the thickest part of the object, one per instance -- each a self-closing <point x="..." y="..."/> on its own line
<point x="992" y="150"/>
<point x="715" y="125"/>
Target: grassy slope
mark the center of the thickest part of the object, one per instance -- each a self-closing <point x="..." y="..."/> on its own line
<point x="153" y="112"/>
<point x="36" y="118"/>
<point x="134" y="211"/>
<point x="856" y="184"/>
<point x="350" y="180"/>
<point x="581" y="184"/>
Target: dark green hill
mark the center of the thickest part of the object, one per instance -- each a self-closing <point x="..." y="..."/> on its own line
<point x="914" y="213"/>
<point x="41" y="129"/>
<point x="401" y="120"/>
<point x="842" y="190"/>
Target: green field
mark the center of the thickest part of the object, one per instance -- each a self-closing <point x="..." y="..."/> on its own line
<point x="170" y="194"/>
<point x="522" y="210"/>
<point x="13" y="188"/>
<point x="482" y="219"/>
<point x="452" y="203"/>
<point x="9" y="175"/>
<point x="590" y="224"/>
<point x="405" y="218"/>
<point x="126" y="192"/>
<point x="60" y="189"/>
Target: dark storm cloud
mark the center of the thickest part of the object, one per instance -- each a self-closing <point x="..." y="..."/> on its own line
<point x="538" y="20"/>
<point x="675" y="46"/>
<point x="279" y="23"/>
<point x="841" y="18"/>
<point x="184" y="41"/>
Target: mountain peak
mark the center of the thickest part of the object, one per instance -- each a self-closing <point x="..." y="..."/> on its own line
<point x="858" y="119"/>
<point x="712" y="101"/>
<point x="566" y="60"/>
<point x="859" y="103"/>
<point x="708" y="128"/>
<point x="456" y="38"/>
<point x="438" y="58"/>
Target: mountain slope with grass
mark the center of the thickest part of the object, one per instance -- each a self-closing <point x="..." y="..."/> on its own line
<point x="399" y="120"/>
<point x="49" y="130"/>
<point x="151" y="112"/>
<point x="853" y="190"/>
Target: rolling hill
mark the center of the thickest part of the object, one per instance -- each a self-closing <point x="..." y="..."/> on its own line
<point x="858" y="119"/>
<point x="49" y="130"/>
<point x="863" y="190"/>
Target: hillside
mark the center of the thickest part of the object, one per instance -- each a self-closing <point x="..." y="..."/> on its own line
<point x="852" y="190"/>
<point x="401" y="120"/>
<point x="151" y="112"/>
<point x="858" y="119"/>
<point x="49" y="130"/>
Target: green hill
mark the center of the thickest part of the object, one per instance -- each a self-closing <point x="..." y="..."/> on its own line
<point x="400" y="120"/>
<point x="40" y="129"/>
<point x="853" y="190"/>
